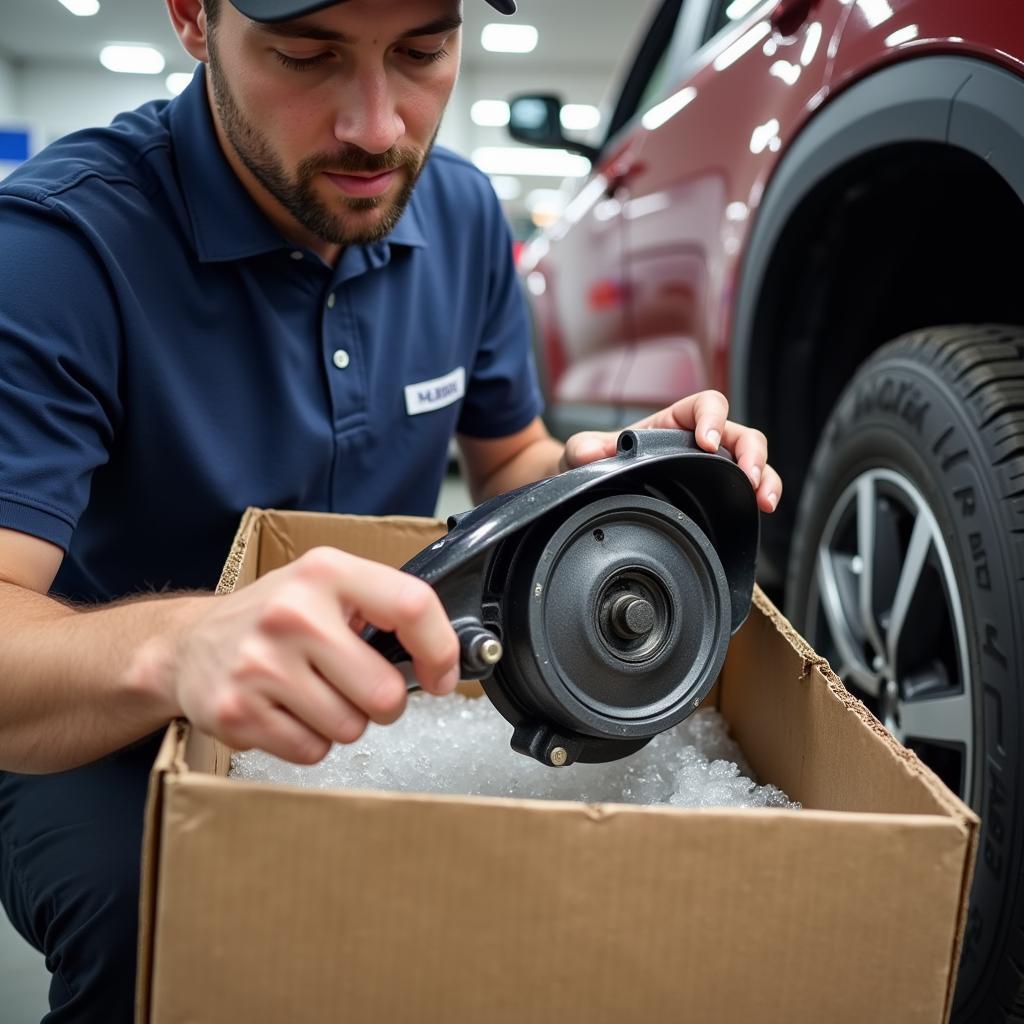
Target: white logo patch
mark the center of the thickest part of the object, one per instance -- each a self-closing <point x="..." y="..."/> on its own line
<point x="435" y="394"/>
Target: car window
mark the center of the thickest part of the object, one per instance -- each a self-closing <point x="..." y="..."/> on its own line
<point x="649" y="69"/>
<point x="656" y="84"/>
<point x="726" y="12"/>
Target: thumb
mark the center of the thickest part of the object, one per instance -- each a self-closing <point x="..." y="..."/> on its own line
<point x="588" y="446"/>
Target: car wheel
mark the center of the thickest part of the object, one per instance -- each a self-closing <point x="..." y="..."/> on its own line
<point x="906" y="571"/>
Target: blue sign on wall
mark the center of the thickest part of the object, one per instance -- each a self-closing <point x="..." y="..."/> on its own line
<point x="14" y="145"/>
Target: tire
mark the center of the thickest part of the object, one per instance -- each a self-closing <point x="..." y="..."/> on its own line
<point x="919" y="476"/>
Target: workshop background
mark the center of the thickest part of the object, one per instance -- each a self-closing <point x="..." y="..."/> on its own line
<point x="52" y="82"/>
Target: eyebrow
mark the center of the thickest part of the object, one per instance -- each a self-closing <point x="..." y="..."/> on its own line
<point x="303" y="30"/>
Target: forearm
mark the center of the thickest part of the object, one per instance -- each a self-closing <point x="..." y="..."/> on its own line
<point x="536" y="461"/>
<point x="76" y="685"/>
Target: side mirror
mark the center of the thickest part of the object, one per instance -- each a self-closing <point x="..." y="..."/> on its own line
<point x="536" y="119"/>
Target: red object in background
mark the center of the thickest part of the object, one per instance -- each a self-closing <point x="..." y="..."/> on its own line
<point x="783" y="190"/>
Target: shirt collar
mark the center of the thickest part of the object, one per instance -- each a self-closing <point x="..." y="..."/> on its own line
<point x="226" y="222"/>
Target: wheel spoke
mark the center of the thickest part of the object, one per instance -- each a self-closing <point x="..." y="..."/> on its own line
<point x="938" y="719"/>
<point x="910" y="575"/>
<point x="828" y="590"/>
<point x="866" y="542"/>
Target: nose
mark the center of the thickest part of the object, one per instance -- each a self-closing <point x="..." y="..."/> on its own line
<point x="367" y="116"/>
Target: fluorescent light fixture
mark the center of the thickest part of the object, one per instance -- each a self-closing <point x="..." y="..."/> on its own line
<point x="746" y="42"/>
<point x="83" y="8"/>
<point x="132" y="59"/>
<point x="659" y="114"/>
<point x="524" y="160"/>
<point x="740" y="9"/>
<point x="176" y="81"/>
<point x="508" y="38"/>
<point x="506" y="187"/>
<point x="902" y="35"/>
<point x="489" y="113"/>
<point x="580" y="117"/>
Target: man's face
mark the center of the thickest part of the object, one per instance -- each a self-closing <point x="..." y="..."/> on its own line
<point x="334" y="114"/>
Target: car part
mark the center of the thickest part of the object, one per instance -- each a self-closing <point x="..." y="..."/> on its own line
<point x="596" y="606"/>
<point x="907" y="573"/>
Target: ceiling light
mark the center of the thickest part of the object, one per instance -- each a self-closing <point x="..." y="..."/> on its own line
<point x="83" y="8"/>
<point x="506" y="187"/>
<point x="176" y="81"/>
<point x="489" y="113"/>
<point x="132" y="59"/>
<point x="508" y="38"/>
<point x="580" y="117"/>
<point x="523" y="160"/>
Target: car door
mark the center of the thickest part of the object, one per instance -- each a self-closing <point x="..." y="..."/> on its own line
<point x="574" y="271"/>
<point x="703" y="150"/>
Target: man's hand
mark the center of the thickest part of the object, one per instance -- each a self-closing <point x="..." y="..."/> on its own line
<point x="280" y="665"/>
<point x="705" y="413"/>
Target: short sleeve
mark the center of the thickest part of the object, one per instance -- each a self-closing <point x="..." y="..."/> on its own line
<point x="502" y="394"/>
<point x="59" y="354"/>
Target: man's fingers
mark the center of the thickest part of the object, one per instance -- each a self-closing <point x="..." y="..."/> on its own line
<point x="363" y="676"/>
<point x="710" y="412"/>
<point x="770" y="490"/>
<point x="705" y="413"/>
<point x="589" y="446"/>
<point x="250" y="720"/>
<point x="750" y="449"/>
<point x="396" y="601"/>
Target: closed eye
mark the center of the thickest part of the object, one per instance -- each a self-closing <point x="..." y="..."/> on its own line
<point x="302" y="63"/>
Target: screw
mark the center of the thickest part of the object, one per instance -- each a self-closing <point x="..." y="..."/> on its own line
<point x="490" y="651"/>
<point x="559" y="756"/>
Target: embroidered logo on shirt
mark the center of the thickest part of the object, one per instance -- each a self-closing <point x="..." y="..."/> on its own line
<point x="435" y="394"/>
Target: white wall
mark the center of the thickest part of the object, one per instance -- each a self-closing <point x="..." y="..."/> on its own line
<point x="7" y="99"/>
<point x="59" y="99"/>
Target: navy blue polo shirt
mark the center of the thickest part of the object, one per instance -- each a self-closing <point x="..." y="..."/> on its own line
<point x="167" y="357"/>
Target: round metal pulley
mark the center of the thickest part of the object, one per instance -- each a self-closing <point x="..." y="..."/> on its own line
<point x="617" y="621"/>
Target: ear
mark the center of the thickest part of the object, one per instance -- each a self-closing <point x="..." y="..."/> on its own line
<point x="189" y="20"/>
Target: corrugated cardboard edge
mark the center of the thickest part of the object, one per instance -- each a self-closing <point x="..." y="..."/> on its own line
<point x="233" y="564"/>
<point x="965" y="818"/>
<point x="170" y="758"/>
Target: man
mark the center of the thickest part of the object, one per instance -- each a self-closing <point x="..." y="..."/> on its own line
<point x="220" y="301"/>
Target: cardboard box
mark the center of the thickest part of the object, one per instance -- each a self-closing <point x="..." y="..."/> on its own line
<point x="267" y="904"/>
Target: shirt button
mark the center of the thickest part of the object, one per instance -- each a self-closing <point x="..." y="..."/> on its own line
<point x="296" y="255"/>
<point x="330" y="301"/>
<point x="341" y="359"/>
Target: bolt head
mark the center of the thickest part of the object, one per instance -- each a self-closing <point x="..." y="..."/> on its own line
<point x="559" y="756"/>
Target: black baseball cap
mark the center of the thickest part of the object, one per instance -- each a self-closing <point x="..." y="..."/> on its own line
<point x="282" y="10"/>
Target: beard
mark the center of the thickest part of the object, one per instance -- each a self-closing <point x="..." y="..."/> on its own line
<point x="337" y="226"/>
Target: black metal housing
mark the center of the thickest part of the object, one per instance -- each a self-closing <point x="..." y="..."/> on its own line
<point x="613" y="590"/>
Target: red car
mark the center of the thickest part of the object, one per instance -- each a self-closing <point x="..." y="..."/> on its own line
<point x="818" y="208"/>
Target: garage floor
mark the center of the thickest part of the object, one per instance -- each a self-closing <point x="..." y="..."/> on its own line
<point x="24" y="980"/>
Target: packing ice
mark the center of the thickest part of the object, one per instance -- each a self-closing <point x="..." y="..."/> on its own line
<point x="458" y="744"/>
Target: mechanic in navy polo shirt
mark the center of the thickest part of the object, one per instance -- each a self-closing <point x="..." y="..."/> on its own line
<point x="236" y="298"/>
